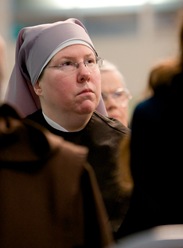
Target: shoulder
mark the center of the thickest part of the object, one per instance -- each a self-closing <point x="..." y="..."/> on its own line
<point x="108" y="123"/>
<point x="37" y="115"/>
<point x="148" y="106"/>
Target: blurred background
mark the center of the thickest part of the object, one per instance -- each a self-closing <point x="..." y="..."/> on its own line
<point x="132" y="34"/>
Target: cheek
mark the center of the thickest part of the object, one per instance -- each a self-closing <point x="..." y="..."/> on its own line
<point x="62" y="91"/>
<point x="123" y="110"/>
<point x="97" y="79"/>
<point x="54" y="83"/>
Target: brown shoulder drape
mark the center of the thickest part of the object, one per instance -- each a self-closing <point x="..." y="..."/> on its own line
<point x="49" y="196"/>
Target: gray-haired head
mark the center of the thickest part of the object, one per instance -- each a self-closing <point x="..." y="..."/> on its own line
<point x="109" y="66"/>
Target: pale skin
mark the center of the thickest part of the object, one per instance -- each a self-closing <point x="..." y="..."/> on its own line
<point x="112" y="80"/>
<point x="70" y="99"/>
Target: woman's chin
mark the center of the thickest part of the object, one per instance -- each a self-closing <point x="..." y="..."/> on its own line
<point x="88" y="107"/>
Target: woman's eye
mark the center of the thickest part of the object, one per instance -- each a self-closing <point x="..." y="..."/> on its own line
<point x="67" y="63"/>
<point x="118" y="94"/>
<point x="90" y="61"/>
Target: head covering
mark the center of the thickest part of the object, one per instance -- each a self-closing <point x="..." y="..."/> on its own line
<point x="35" y="47"/>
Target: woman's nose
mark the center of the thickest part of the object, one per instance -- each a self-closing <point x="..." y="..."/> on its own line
<point x="83" y="73"/>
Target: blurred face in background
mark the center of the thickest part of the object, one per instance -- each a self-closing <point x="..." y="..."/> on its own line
<point x="115" y="95"/>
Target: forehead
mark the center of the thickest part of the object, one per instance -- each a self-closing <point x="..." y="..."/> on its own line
<point x="111" y="80"/>
<point x="75" y="51"/>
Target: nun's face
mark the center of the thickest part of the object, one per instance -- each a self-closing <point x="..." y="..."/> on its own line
<point x="71" y="83"/>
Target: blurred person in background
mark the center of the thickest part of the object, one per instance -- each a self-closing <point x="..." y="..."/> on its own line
<point x="115" y="93"/>
<point x="56" y="82"/>
<point x="116" y="97"/>
<point x="156" y="151"/>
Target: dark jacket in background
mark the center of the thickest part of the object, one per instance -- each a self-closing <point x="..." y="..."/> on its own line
<point x="157" y="160"/>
